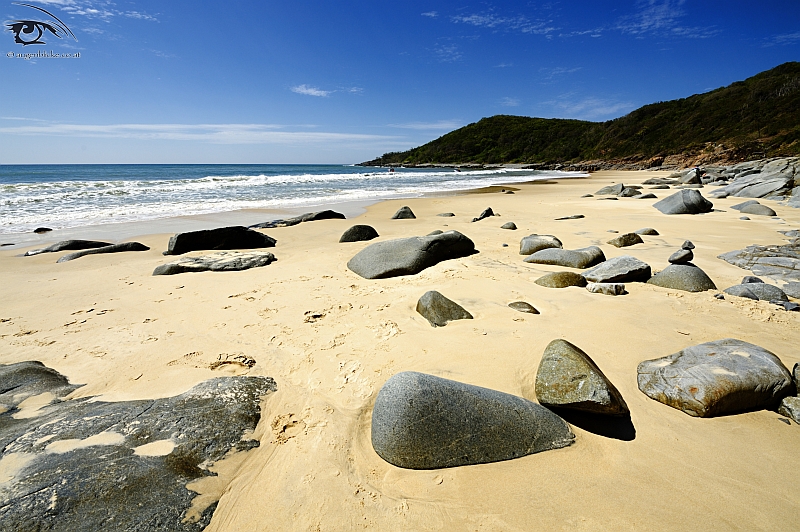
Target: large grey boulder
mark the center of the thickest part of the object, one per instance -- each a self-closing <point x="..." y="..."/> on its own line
<point x="628" y="239"/>
<point x="624" y="269"/>
<point x="424" y="422"/>
<point x="68" y="245"/>
<point x="404" y="213"/>
<point x="307" y="217"/>
<point x="114" y="248"/>
<point x="686" y="277"/>
<point x="359" y="233"/>
<point x="759" y="210"/>
<point x="758" y="291"/>
<point x="717" y="378"/>
<point x="439" y="310"/>
<point x="89" y="465"/>
<point x="561" y="280"/>
<point x="779" y="262"/>
<point x="224" y="261"/>
<point x="610" y="190"/>
<point x="684" y="202"/>
<point x="235" y="237"/>
<point x="533" y="243"/>
<point x="763" y="179"/>
<point x="408" y="256"/>
<point x="578" y="258"/>
<point x="568" y="378"/>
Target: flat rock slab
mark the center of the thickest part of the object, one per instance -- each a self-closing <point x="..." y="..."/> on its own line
<point x="307" y="217"/>
<point x="608" y="289"/>
<point x="224" y="261"/>
<point x="684" y="202"/>
<point x="522" y="306"/>
<point x="68" y="245"/>
<point x="424" y="422"/>
<point x="115" y="248"/>
<point x="408" y="256"/>
<point x="234" y="237"/>
<point x="561" y="280"/>
<point x="404" y="213"/>
<point x="624" y="269"/>
<point x="686" y="277"/>
<point x="578" y="258"/>
<point x="568" y="378"/>
<point x="779" y="262"/>
<point x="94" y="465"/>
<point x="533" y="243"/>
<point x="439" y="310"/>
<point x="628" y="239"/>
<point x="757" y="291"/>
<point x="717" y="378"/>
<point x="359" y="233"/>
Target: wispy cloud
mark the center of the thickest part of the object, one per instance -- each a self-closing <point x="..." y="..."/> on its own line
<point x="518" y="23"/>
<point x="447" y="53"/>
<point x="784" y="39"/>
<point x="661" y="17"/>
<point x="552" y="73"/>
<point x="509" y="102"/>
<point x="504" y="65"/>
<point x="431" y="14"/>
<point x="441" y="124"/>
<point x="310" y="91"/>
<point x="209" y="133"/>
<point x="591" y="108"/>
<point x="102" y="9"/>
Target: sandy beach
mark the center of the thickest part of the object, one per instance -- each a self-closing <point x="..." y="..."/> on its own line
<point x="331" y="339"/>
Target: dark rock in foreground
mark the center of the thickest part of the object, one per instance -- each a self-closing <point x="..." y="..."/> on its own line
<point x="359" y="233"/>
<point x="717" y="378"/>
<point x="307" y="217"/>
<point x="568" y="378"/>
<point x="404" y="213"/>
<point x="40" y="230"/>
<point x="533" y="243"/>
<point x="628" y="239"/>
<point x="69" y="245"/>
<point x="235" y="237"/>
<point x="485" y="214"/>
<point x="224" y="261"/>
<point x="95" y="465"/>
<point x="578" y="258"/>
<point x="116" y="248"/>
<point x="779" y="262"/>
<point x="408" y="256"/>
<point x="684" y="202"/>
<point x="439" y="310"/>
<point x="522" y="306"/>
<point x="561" y="280"/>
<point x="686" y="277"/>
<point x="624" y="269"/>
<point x="424" y="422"/>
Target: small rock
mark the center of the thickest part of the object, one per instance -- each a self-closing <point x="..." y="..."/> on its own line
<point x="619" y="270"/>
<point x="744" y="218"/>
<point x="610" y="190"/>
<point x="572" y="217"/>
<point x="612" y="198"/>
<point x="533" y="243"/>
<point x="568" y="378"/>
<point x="719" y="296"/>
<point x="609" y="289"/>
<point x="660" y="187"/>
<point x="588" y="196"/>
<point x="687" y="244"/>
<point x="561" y="280"/>
<point x="508" y="192"/>
<point x="628" y="192"/>
<point x="504" y="245"/>
<point x="40" y="230"/>
<point x="509" y="225"/>
<point x="758" y="209"/>
<point x="751" y="279"/>
<point x="682" y="256"/>
<point x="686" y="277"/>
<point x="612" y="231"/>
<point x="522" y="306"/>
<point x="645" y="196"/>
<point x="439" y="310"/>
<point x="115" y="248"/>
<point x="740" y="206"/>
<point x="684" y="202"/>
<point x="446" y="214"/>
<point x="359" y="233"/>
<point x="404" y="213"/>
<point x="578" y="258"/>
<point x="69" y="245"/>
<point x="790" y="407"/>
<point x="628" y="239"/>
<point x="647" y="231"/>
<point x="424" y="422"/>
<point x="485" y="214"/>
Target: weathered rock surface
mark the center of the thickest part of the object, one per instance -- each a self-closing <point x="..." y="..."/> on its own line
<point x="610" y="190"/>
<point x="115" y="248"/>
<point x="359" y="233"/>
<point x="568" y="378"/>
<point x="779" y="262"/>
<point x="485" y="214"/>
<point x="792" y="289"/>
<point x="608" y="289"/>
<point x="69" y="245"/>
<point x="561" y="280"/>
<point x="740" y="206"/>
<point x="716" y="378"/>
<point x="649" y="195"/>
<point x="571" y="217"/>
<point x="95" y="465"/>
<point x="758" y="291"/>
<point x="533" y="243"/>
<point x="766" y="178"/>
<point x="424" y="422"/>
<point x="446" y="214"/>
<point x="647" y="231"/>
<point x="684" y="202"/>
<point x="628" y="239"/>
<point x="686" y="277"/>
<point x="224" y="261"/>
<point x="578" y="258"/>
<point x="522" y="306"/>
<point x="624" y="269"/>
<point x="307" y="217"/>
<point x="760" y="210"/>
<point x="682" y="256"/>
<point x="790" y="407"/>
<point x="235" y="237"/>
<point x="509" y="225"/>
<point x="439" y="310"/>
<point x="408" y="256"/>
<point x="404" y="213"/>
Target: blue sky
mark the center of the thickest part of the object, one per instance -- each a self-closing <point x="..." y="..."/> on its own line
<point x="342" y="82"/>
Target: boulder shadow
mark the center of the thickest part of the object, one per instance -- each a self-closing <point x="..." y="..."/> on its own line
<point x="616" y="427"/>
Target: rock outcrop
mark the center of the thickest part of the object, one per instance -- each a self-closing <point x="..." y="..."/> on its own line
<point x="235" y="237"/>
<point x="684" y="202"/>
<point x="779" y="262"/>
<point x="224" y="261"/>
<point x="114" y="248"/>
<point x="69" y="245"/>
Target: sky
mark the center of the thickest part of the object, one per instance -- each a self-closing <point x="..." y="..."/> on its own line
<point x="324" y="81"/>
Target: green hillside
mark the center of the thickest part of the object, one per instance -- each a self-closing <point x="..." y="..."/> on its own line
<point x="759" y="116"/>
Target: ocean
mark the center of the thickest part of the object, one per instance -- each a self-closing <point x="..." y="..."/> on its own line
<point x="74" y="196"/>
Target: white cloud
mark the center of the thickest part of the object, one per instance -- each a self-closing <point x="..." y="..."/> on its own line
<point x="551" y="73"/>
<point x="591" y="108"/>
<point x="310" y="91"/>
<point x="447" y="53"/>
<point x="431" y="14"/>
<point x="661" y="17"/>
<point x="441" y="124"/>
<point x="103" y="9"/>
<point x="504" y="65"/>
<point x="786" y="38"/>
<point x="509" y="102"/>
<point x="514" y="23"/>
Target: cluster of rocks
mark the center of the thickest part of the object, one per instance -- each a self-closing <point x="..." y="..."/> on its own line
<point x="620" y="190"/>
<point x="775" y="179"/>
<point x="756" y="289"/>
<point x="781" y="262"/>
<point x="681" y="274"/>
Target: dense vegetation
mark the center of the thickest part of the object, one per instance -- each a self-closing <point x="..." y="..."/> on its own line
<point x="759" y="116"/>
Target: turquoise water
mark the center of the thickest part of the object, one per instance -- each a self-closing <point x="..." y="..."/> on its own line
<point x="69" y="196"/>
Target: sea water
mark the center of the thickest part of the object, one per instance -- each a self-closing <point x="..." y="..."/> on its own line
<point x="72" y="196"/>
